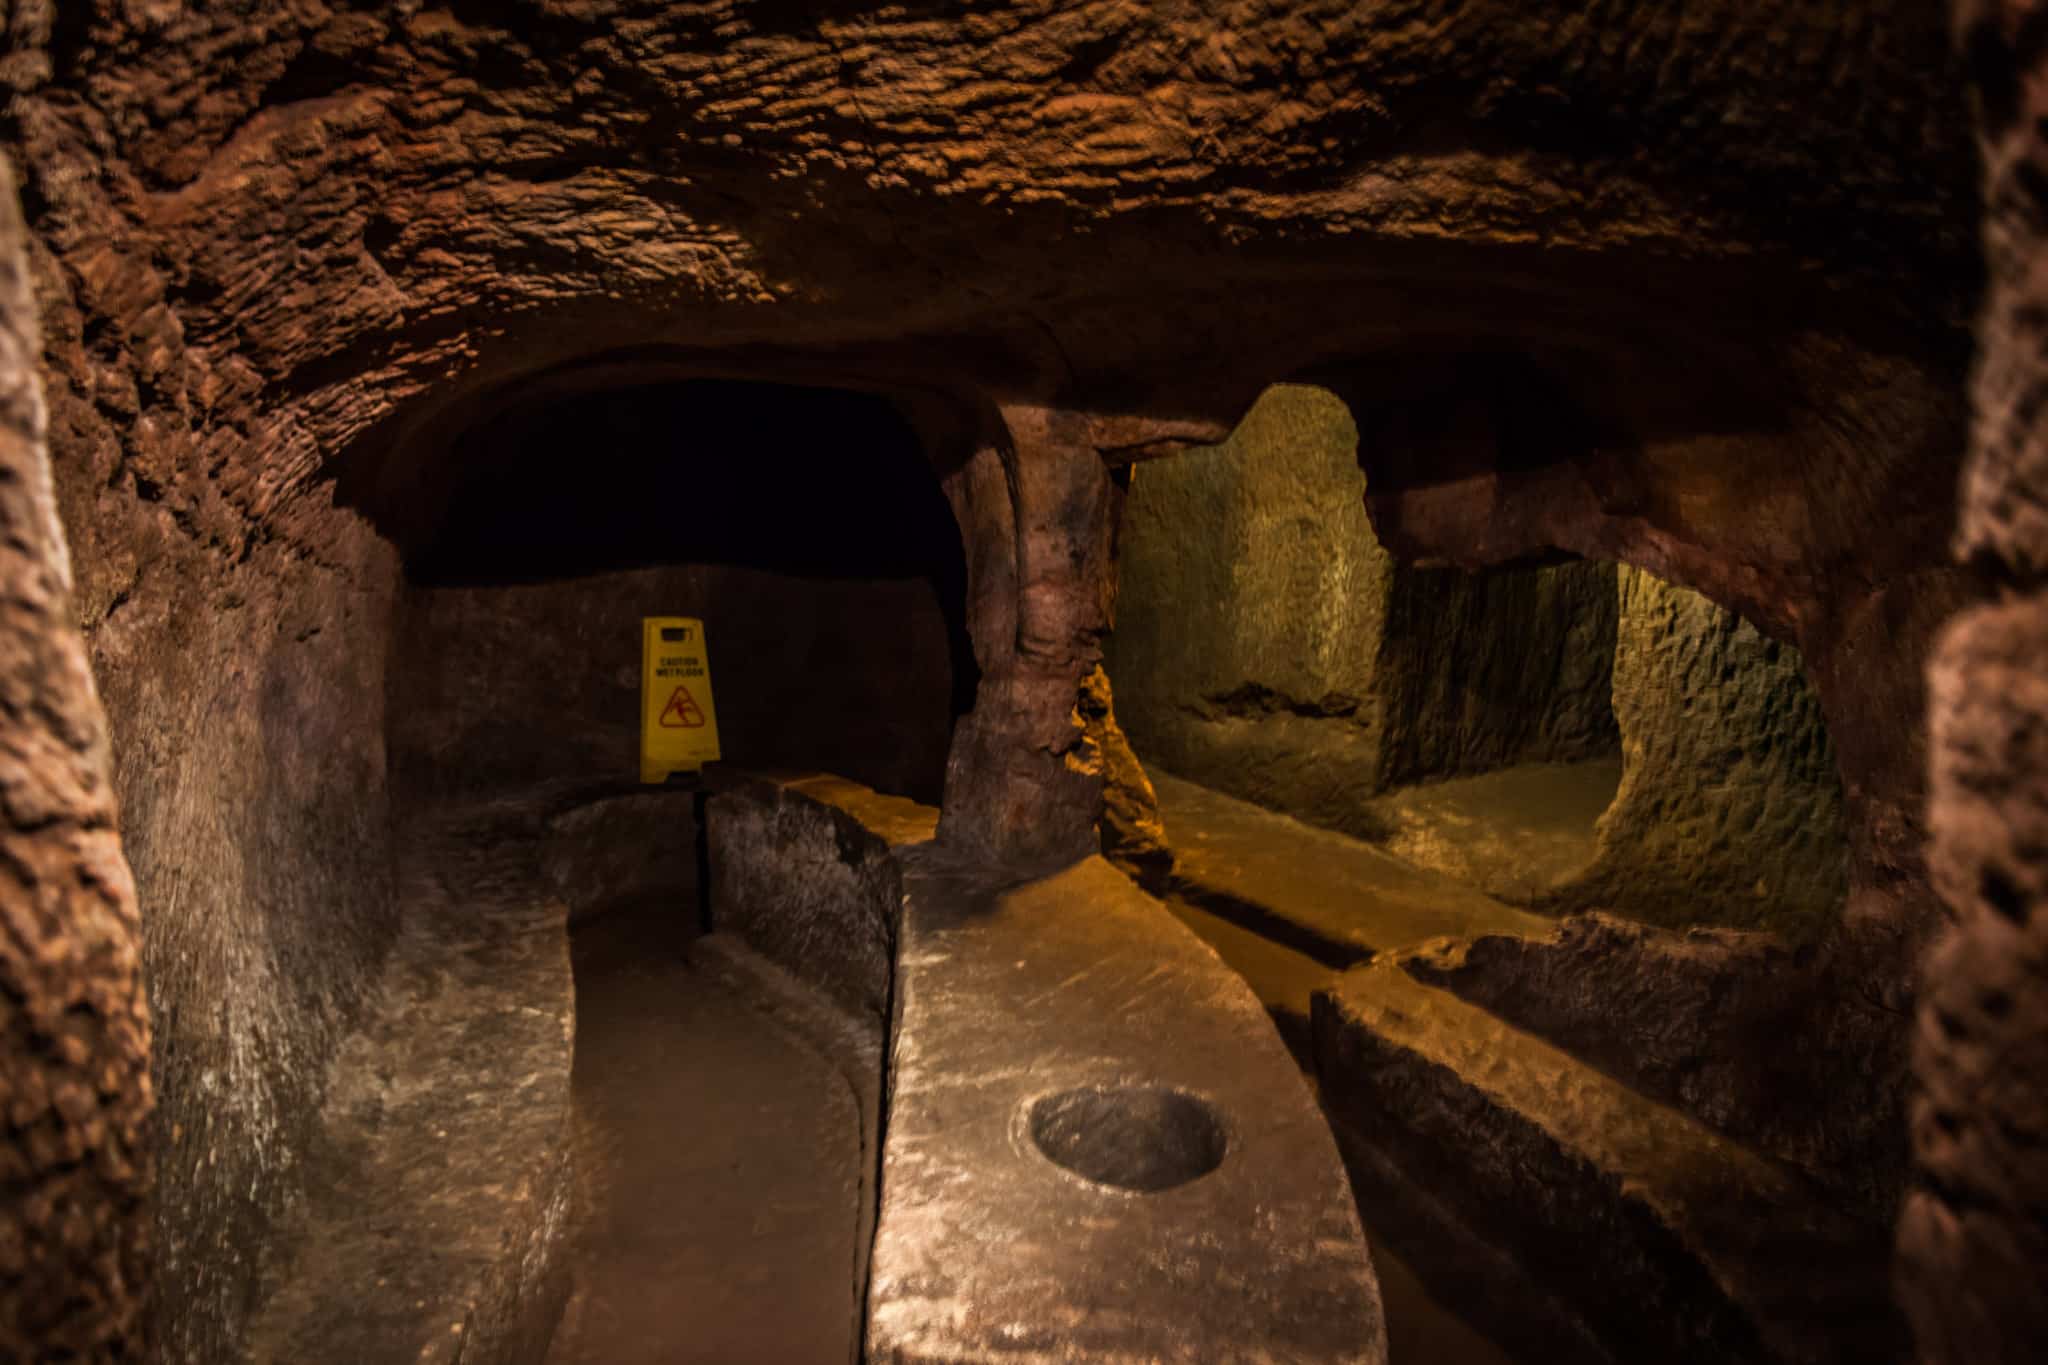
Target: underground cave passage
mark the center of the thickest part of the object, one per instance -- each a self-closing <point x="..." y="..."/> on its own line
<point x="1559" y="738"/>
<point x="1496" y="850"/>
<point x="723" y="1112"/>
<point x="1562" y="795"/>
<point x="804" y="525"/>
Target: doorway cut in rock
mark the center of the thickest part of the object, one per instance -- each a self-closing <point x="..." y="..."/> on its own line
<point x="803" y="525"/>
<point x="1359" y="761"/>
<point x="1563" y="737"/>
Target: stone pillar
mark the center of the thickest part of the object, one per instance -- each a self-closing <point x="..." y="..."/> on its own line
<point x="1268" y="647"/>
<point x="1973" y="1236"/>
<point x="74" y="1024"/>
<point x="1024" y="781"/>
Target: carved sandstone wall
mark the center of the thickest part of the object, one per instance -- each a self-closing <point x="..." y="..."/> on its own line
<point x="1974" y="1235"/>
<point x="74" y="1026"/>
<point x="281" y="251"/>
<point x="1730" y="809"/>
<point x="1268" y="647"/>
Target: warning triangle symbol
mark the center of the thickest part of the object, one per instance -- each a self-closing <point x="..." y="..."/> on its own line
<point x="682" y="712"/>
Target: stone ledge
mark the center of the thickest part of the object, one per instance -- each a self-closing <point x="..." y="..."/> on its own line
<point x="1768" y="1044"/>
<point x="439" y="1192"/>
<point x="1005" y="994"/>
<point x="1460" y="1266"/>
<point x="988" y="1251"/>
<point x="1673" y="1242"/>
<point x="800" y="870"/>
<point x="1325" y="894"/>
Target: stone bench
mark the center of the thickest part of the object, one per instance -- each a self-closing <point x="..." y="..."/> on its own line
<point x="438" y="1195"/>
<point x="1096" y="1147"/>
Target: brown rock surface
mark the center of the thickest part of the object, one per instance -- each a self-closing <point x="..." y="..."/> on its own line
<point x="1133" y="834"/>
<point x="1025" y="780"/>
<point x="993" y="1240"/>
<point x="282" y="252"/>
<point x="804" y="526"/>
<point x="1673" y="1242"/>
<point x="1729" y="810"/>
<point x="74" y="1024"/>
<point x="536" y="688"/>
<point x="437" y="1188"/>
<point x="1268" y="647"/>
<point x="1973" y="1239"/>
<point x="1737" y="1030"/>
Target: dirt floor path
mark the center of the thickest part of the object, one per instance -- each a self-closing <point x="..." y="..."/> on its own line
<point x="719" y="1168"/>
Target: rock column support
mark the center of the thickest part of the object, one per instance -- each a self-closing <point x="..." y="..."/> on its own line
<point x="1973" y="1237"/>
<point x="74" y="1026"/>
<point x="1024" y="781"/>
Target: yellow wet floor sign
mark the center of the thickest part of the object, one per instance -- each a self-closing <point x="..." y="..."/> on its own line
<point x="678" y="727"/>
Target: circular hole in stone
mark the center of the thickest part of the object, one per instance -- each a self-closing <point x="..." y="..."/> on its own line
<point x="1137" y="1137"/>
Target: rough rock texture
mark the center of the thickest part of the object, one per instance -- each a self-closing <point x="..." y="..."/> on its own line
<point x="284" y="246"/>
<point x="1737" y="1030"/>
<point x="986" y="1249"/>
<point x="1024" y="782"/>
<point x="1973" y="1239"/>
<point x="1671" y="1242"/>
<point x="239" y="644"/>
<point x="1337" y="899"/>
<point x="1830" y="547"/>
<point x="805" y="526"/>
<point x="1267" y="646"/>
<point x="999" y="994"/>
<point x="803" y="869"/>
<point x="1484" y="671"/>
<point x="1133" y="834"/>
<point x="1250" y="603"/>
<point x="1392" y="159"/>
<point x="810" y="887"/>
<point x="438" y="1184"/>
<point x="1729" y="810"/>
<point x="247" y="708"/>
<point x="639" y="849"/>
<point x="75" y="1098"/>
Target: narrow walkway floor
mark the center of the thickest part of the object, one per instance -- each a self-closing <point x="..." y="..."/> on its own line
<point x="719" y="1168"/>
<point x="1514" y="833"/>
<point x="1334" y="897"/>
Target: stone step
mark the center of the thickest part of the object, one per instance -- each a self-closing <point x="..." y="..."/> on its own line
<point x="1665" y="1240"/>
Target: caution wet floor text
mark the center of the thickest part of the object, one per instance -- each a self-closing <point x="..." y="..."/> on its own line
<point x="678" y="726"/>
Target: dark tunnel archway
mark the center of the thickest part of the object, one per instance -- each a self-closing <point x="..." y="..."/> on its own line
<point x="804" y="524"/>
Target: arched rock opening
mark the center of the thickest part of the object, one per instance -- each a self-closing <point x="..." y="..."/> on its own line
<point x="804" y="525"/>
<point x="1654" y="755"/>
<point x="1267" y="645"/>
<point x="1521" y="735"/>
